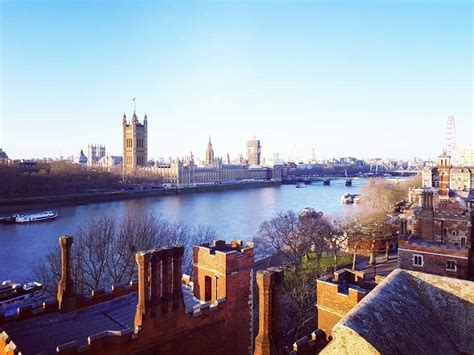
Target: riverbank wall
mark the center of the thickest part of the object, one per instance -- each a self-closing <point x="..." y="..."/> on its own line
<point x="14" y="204"/>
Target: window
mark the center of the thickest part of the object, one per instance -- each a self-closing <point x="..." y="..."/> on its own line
<point x="463" y="242"/>
<point x="207" y="288"/>
<point x="445" y="232"/>
<point x="451" y="265"/>
<point x="418" y="260"/>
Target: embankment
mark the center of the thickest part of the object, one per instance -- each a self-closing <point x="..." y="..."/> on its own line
<point x="14" y="204"/>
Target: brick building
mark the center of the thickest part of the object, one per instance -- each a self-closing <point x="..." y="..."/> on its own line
<point x="441" y="240"/>
<point x="409" y="313"/>
<point x="444" y="169"/>
<point x="398" y="314"/>
<point x="159" y="314"/>
<point x="447" y="179"/>
<point x="337" y="294"/>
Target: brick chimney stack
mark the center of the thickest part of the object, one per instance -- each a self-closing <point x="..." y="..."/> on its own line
<point x="66" y="294"/>
<point x="143" y="264"/>
<point x="155" y="279"/>
<point x="167" y="276"/>
<point x="426" y="216"/>
<point x="178" y="252"/>
<point x="159" y="281"/>
<point x="269" y="338"/>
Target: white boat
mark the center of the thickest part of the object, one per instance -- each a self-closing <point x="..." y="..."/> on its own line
<point x="31" y="218"/>
<point x="13" y="293"/>
<point x="348" y="199"/>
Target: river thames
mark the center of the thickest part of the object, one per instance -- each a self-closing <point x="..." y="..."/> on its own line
<point x="234" y="214"/>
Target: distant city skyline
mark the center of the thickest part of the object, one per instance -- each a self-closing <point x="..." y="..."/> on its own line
<point x="377" y="79"/>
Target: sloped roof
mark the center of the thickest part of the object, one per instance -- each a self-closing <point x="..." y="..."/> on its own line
<point x="410" y="313"/>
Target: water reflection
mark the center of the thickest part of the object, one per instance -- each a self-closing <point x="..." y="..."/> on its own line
<point x="233" y="214"/>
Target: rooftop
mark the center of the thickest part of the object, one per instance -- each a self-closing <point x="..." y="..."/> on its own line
<point x="48" y="331"/>
<point x="409" y="312"/>
<point x="347" y="278"/>
<point x="221" y="246"/>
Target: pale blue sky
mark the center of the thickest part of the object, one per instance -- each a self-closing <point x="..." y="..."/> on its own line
<point x="372" y="78"/>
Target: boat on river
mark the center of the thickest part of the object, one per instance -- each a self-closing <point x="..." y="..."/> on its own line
<point x="15" y="293"/>
<point x="29" y="218"/>
<point x="348" y="199"/>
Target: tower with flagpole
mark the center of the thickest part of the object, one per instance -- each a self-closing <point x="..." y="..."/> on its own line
<point x="135" y="141"/>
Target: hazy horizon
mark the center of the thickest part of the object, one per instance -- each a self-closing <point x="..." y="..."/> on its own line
<point x="372" y="79"/>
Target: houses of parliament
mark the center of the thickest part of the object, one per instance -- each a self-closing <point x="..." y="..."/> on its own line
<point x="185" y="171"/>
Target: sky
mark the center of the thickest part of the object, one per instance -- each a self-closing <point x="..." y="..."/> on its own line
<point x="347" y="78"/>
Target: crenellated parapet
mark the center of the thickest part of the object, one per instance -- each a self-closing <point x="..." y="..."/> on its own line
<point x="309" y="344"/>
<point x="204" y="309"/>
<point x="158" y="313"/>
<point x="337" y="294"/>
<point x="51" y="304"/>
<point x="214" y="263"/>
<point x="106" y="294"/>
<point x="110" y="342"/>
<point x="7" y="346"/>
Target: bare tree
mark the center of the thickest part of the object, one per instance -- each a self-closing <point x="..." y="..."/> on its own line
<point x="305" y="237"/>
<point x="280" y="235"/>
<point x="337" y="242"/>
<point x="315" y="232"/>
<point x="103" y="253"/>
<point x="93" y="251"/>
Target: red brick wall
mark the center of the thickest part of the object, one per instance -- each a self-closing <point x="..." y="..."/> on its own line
<point x="332" y="305"/>
<point x="434" y="259"/>
<point x="219" y="327"/>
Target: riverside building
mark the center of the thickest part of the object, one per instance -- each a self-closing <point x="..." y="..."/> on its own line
<point x="185" y="171"/>
<point x="441" y="240"/>
<point x="135" y="143"/>
<point x="446" y="179"/>
<point x="254" y="151"/>
<point x="94" y="154"/>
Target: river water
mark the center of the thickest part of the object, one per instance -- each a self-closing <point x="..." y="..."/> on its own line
<point x="234" y="214"/>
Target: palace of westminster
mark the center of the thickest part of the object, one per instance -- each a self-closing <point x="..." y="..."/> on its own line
<point x="185" y="172"/>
